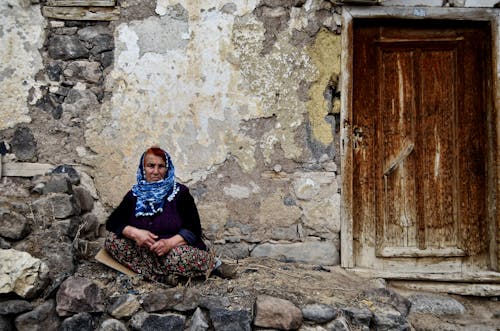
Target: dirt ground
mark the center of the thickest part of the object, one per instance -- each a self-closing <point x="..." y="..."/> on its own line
<point x="301" y="284"/>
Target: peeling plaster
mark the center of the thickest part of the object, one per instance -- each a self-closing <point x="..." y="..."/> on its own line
<point x="196" y="8"/>
<point x="181" y="99"/>
<point x="193" y="98"/>
<point x="325" y="54"/>
<point x="272" y="78"/>
<point x="21" y="38"/>
<point x="160" y="35"/>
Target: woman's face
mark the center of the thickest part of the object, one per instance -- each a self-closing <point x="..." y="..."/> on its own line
<point x="154" y="167"/>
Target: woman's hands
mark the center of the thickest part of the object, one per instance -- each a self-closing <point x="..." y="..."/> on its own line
<point x="163" y="246"/>
<point x="145" y="238"/>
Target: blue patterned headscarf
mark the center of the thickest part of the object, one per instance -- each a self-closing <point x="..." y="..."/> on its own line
<point x="151" y="196"/>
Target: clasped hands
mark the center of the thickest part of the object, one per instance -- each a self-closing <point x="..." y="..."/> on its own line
<point x="145" y="238"/>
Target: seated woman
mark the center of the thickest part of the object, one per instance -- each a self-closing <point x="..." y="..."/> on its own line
<point x="156" y="231"/>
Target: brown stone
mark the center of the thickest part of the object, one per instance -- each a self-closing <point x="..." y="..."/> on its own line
<point x="271" y="312"/>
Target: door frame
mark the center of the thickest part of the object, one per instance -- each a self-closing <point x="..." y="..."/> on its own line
<point x="349" y="15"/>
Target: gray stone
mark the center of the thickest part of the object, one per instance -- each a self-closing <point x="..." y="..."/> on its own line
<point x="54" y="70"/>
<point x="73" y="175"/>
<point x="23" y="144"/>
<point x="179" y="299"/>
<point x="384" y="297"/>
<point x="57" y="183"/>
<point x="13" y="225"/>
<point x="435" y="304"/>
<point x="236" y="251"/>
<point x="62" y="47"/>
<point x="79" y="103"/>
<point x="125" y="306"/>
<point x="230" y="320"/>
<point x="83" y="198"/>
<point x="83" y="70"/>
<point x="189" y="299"/>
<point x="50" y="103"/>
<point x="319" y="313"/>
<point x="271" y="312"/>
<point x="55" y="205"/>
<point x="15" y="307"/>
<point x="43" y="212"/>
<point x="198" y="321"/>
<point x="152" y="322"/>
<point x="102" y="43"/>
<point x="105" y="58"/>
<point x="21" y="273"/>
<point x="4" y="244"/>
<point x="112" y="325"/>
<point x="289" y="233"/>
<point x="80" y="322"/>
<point x="78" y="295"/>
<point x="314" y="252"/>
<point x="90" y="227"/>
<point x="211" y="302"/>
<point x="55" y="252"/>
<point x="389" y="320"/>
<point x="155" y="301"/>
<point x="65" y="30"/>
<point x="340" y="324"/>
<point x="90" y="32"/>
<point x="358" y="316"/>
<point x="64" y="205"/>
<point x="42" y="318"/>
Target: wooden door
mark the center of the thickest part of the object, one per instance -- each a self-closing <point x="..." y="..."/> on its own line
<point x="420" y="145"/>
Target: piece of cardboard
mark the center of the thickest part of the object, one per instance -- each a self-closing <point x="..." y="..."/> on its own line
<point x="106" y="259"/>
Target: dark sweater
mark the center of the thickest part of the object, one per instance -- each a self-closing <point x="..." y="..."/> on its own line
<point x="179" y="216"/>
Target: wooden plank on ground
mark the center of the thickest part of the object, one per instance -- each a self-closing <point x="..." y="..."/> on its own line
<point x="80" y="3"/>
<point x="106" y="259"/>
<point x="25" y="169"/>
<point x="481" y="290"/>
<point x="476" y="277"/>
<point x="82" y="13"/>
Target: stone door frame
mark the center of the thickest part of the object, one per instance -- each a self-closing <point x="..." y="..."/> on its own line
<point x="349" y="14"/>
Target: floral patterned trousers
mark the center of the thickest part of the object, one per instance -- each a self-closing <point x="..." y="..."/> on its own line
<point x="183" y="260"/>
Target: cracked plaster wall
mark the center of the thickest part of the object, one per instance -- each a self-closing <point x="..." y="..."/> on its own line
<point x="187" y="79"/>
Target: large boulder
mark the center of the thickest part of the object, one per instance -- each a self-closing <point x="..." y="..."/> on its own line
<point x="21" y="273"/>
<point x="79" y="295"/>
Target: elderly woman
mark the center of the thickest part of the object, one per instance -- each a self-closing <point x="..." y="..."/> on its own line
<point x="156" y="231"/>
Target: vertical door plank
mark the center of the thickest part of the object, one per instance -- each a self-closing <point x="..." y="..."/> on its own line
<point x="396" y="147"/>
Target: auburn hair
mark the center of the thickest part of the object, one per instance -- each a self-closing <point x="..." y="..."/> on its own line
<point x="156" y="151"/>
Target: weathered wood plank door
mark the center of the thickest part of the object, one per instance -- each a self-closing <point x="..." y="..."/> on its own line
<point x="420" y="145"/>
